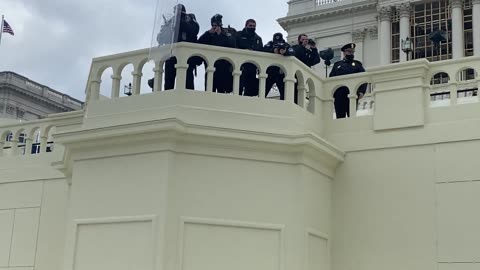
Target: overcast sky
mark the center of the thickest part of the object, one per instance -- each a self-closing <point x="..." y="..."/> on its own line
<point x="55" y="40"/>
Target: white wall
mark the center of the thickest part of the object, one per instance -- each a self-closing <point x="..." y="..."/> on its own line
<point x="408" y="208"/>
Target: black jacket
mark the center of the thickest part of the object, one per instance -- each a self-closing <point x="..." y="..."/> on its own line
<point x="249" y="41"/>
<point x="309" y="57"/>
<point x="270" y="47"/>
<point x="221" y="40"/>
<point x="189" y="29"/>
<point x="345" y="67"/>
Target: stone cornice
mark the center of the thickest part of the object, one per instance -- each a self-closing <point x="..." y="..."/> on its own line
<point x="287" y="22"/>
<point x="35" y="96"/>
<point x="177" y="136"/>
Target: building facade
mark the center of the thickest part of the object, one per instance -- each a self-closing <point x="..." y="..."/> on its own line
<point x="24" y="99"/>
<point x="378" y="27"/>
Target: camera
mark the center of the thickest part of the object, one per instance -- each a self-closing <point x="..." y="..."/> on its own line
<point x="280" y="45"/>
<point x="311" y="42"/>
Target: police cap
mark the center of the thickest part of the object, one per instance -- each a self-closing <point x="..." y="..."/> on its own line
<point x="348" y="46"/>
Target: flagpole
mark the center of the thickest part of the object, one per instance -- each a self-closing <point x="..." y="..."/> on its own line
<point x="1" y="29"/>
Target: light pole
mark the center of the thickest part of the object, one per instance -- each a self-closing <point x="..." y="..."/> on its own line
<point x="407" y="47"/>
<point x="127" y="89"/>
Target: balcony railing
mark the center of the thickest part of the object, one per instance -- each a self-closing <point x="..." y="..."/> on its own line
<point x="34" y="137"/>
<point x="314" y="94"/>
<point x="326" y="2"/>
<point x="296" y="73"/>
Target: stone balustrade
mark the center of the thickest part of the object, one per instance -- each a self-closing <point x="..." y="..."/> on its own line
<point x="401" y="93"/>
<point x="34" y="137"/>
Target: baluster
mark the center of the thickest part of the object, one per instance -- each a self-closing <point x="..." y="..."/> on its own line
<point x="116" y="85"/>
<point x="301" y="95"/>
<point x="263" y="81"/>
<point x="236" y="82"/>
<point x="28" y="146"/>
<point x="210" y="71"/>
<point x="289" y="89"/>
<point x="158" y="76"/>
<point x="353" y="105"/>
<point x="95" y="89"/>
<point x="453" y="94"/>
<point x="137" y="79"/>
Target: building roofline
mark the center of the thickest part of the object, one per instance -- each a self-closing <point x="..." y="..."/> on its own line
<point x="288" y="21"/>
<point x="41" y="85"/>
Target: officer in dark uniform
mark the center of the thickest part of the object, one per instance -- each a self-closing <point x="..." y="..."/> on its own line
<point x="344" y="67"/>
<point x="217" y="36"/>
<point x="275" y="75"/>
<point x="188" y="32"/>
<point x="249" y="40"/>
<point x="306" y="51"/>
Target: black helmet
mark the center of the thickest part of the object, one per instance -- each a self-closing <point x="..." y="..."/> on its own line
<point x="277" y="37"/>
<point x="217" y="18"/>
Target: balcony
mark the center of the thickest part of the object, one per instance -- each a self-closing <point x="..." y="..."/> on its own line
<point x="400" y="96"/>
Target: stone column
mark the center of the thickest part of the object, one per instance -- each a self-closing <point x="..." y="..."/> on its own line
<point x="262" y="84"/>
<point x="352" y="103"/>
<point x="43" y="144"/>
<point x="2" y="145"/>
<point x="28" y="146"/>
<point x="289" y="89"/>
<point x="236" y="81"/>
<point x="94" y="90"/>
<point x="385" y="35"/>
<point x="116" y="86"/>
<point x="458" y="47"/>
<point x="476" y="27"/>
<point x="137" y="80"/>
<point x="210" y="71"/>
<point x="404" y="10"/>
<point x="158" y="76"/>
<point x="357" y="37"/>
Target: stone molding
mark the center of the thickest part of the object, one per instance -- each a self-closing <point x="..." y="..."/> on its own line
<point x="358" y="35"/>
<point x="404" y="9"/>
<point x="373" y="32"/>
<point x="456" y="3"/>
<point x="385" y="13"/>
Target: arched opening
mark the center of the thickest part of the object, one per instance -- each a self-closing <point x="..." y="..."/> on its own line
<point x="439" y="78"/>
<point x="341" y="102"/>
<point x="147" y="74"/>
<point x="467" y="91"/>
<point x="364" y="96"/>
<point x="222" y="77"/>
<point x="274" y="84"/>
<point x="106" y="84"/>
<point x="440" y="95"/>
<point x="249" y="82"/>
<point x="126" y="84"/>
<point x="196" y="73"/>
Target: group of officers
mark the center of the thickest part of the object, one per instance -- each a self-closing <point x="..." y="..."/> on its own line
<point x="305" y="50"/>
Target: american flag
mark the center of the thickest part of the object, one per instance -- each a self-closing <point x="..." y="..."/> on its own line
<point x="7" y="28"/>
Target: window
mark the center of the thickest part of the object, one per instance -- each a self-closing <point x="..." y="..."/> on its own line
<point x="467" y="27"/>
<point x="395" y="37"/>
<point x="425" y="18"/>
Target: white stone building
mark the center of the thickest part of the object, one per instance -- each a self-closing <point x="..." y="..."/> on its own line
<point x="379" y="26"/>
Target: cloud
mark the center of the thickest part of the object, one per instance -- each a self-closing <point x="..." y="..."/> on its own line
<point x="55" y="41"/>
